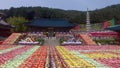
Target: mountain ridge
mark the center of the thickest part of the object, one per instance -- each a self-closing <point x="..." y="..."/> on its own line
<point x="96" y="16"/>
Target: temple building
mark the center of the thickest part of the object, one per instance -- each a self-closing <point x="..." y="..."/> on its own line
<point x="4" y="27"/>
<point x="49" y="25"/>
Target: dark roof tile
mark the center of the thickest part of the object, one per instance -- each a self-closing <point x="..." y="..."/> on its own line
<point x="50" y="23"/>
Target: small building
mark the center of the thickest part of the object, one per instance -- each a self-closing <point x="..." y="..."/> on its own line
<point x="4" y="27"/>
<point x="49" y="25"/>
<point x="115" y="28"/>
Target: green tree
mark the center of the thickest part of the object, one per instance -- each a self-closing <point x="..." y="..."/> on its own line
<point x="18" y="22"/>
<point x="73" y="16"/>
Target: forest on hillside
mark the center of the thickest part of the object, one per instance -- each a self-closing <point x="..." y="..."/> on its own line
<point x="73" y="16"/>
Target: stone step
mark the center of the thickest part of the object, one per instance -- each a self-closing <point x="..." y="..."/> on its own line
<point x="51" y="41"/>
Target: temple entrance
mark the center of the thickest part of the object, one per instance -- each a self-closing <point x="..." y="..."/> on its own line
<point x="51" y="32"/>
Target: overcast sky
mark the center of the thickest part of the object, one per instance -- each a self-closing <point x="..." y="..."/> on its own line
<point x="81" y="5"/>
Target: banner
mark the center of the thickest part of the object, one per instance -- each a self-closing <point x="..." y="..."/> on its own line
<point x="106" y="24"/>
<point x="109" y="23"/>
<point x="112" y="22"/>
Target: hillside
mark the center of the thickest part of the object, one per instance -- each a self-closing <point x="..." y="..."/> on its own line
<point x="74" y="16"/>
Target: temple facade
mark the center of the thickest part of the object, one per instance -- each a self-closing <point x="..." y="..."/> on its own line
<point x="50" y="26"/>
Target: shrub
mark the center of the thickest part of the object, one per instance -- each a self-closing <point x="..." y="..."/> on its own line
<point x="40" y="40"/>
<point x="61" y="40"/>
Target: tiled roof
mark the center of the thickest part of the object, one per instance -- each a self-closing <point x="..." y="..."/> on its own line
<point x="3" y="23"/>
<point x="114" y="28"/>
<point x="50" y="23"/>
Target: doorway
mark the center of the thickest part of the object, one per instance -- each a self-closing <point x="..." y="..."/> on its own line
<point x="51" y="32"/>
